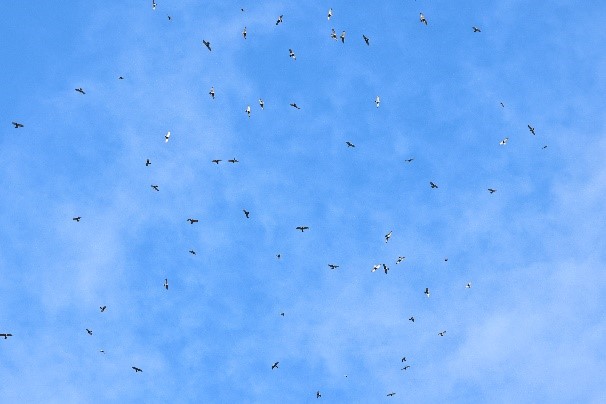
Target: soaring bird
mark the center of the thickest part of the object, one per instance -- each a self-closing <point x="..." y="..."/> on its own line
<point x="275" y="365"/>
<point x="432" y="184"/>
<point x="247" y="110"/>
<point x="544" y="147"/>
<point x="333" y="34"/>
<point x="422" y="18"/>
<point x="476" y="29"/>
<point x="246" y="213"/>
<point x="80" y="90"/>
<point x="504" y="141"/>
<point x="333" y="266"/>
<point x="391" y="394"/>
<point x="388" y="236"/>
<point x="192" y="221"/>
<point x="169" y="17"/>
<point x="405" y="367"/>
<point x="366" y="39"/>
<point x="349" y="144"/>
<point x="244" y="33"/>
<point x="400" y="259"/>
<point x="385" y="268"/>
<point x="329" y="13"/>
<point x="502" y="105"/>
<point x="409" y="160"/>
<point x="411" y="319"/>
<point x="318" y="395"/>
<point x="279" y="20"/>
<point x="292" y="54"/>
<point x="404" y="359"/>
<point x="491" y="190"/>
<point x="166" y="137"/>
<point x="155" y="187"/>
<point x="17" y="125"/>
<point x="153" y="4"/>
<point x="234" y="160"/>
<point x="102" y="351"/>
<point x="102" y="308"/>
<point x="77" y="218"/>
<point x="166" y="283"/>
<point x="531" y="129"/>
<point x="212" y="92"/>
<point x="468" y="286"/>
<point x="147" y="162"/>
<point x="441" y="334"/>
<point x="136" y="369"/>
<point x="207" y="44"/>
<point x="120" y="78"/>
<point x="342" y="37"/>
<point x="427" y="292"/>
<point x="375" y="267"/>
<point x="192" y="252"/>
<point x="90" y="332"/>
<point x="278" y="256"/>
<point x="377" y="101"/>
<point x="216" y="161"/>
<point x="261" y="103"/>
<point x="294" y="105"/>
<point x="302" y="228"/>
<point x="6" y="335"/>
<point x="282" y="314"/>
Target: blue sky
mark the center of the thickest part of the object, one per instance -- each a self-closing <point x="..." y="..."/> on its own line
<point x="531" y="327"/>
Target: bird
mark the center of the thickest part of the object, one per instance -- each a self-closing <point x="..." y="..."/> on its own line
<point x="294" y="105"/>
<point x="102" y="308"/>
<point x="333" y="266"/>
<point x="80" y="90"/>
<point x="446" y="259"/>
<point x="349" y="144"/>
<point x="17" y="125"/>
<point x="278" y="256"/>
<point x="412" y="319"/>
<point x="302" y="228"/>
<point x="169" y="17"/>
<point x="422" y="18"/>
<point x="432" y="184"/>
<point x="404" y="359"/>
<point x="405" y="367"/>
<point x="120" y="78"/>
<point x="388" y="236"/>
<point x="333" y="34"/>
<point x="342" y="37"/>
<point x="441" y="334"/>
<point x="318" y="395"/>
<point x="246" y="213"/>
<point x="400" y="259"/>
<point x="90" y="332"/>
<point x="391" y="394"/>
<point x="385" y="268"/>
<point x="212" y="92"/>
<point x="247" y="110"/>
<point x="375" y="267"/>
<point x="502" y="105"/>
<point x="5" y="335"/>
<point x="77" y="218"/>
<point x="192" y="252"/>
<point x="504" y="141"/>
<point x="329" y="13"/>
<point x="282" y="314"/>
<point x="275" y="365"/>
<point x="207" y="44"/>
<point x="166" y="283"/>
<point x="216" y="161"/>
<point x="531" y="129"/>
<point x="192" y="221"/>
<point x="279" y="20"/>
<point x="292" y="54"/>
<point x="476" y="29"/>
<point x="427" y="292"/>
<point x="544" y="147"/>
<point x="261" y="103"/>
<point x="244" y="33"/>
<point x="468" y="286"/>
<point x="147" y="162"/>
<point x="234" y="160"/>
<point x="155" y="187"/>
<point x="491" y="190"/>
<point x="153" y="4"/>
<point x="409" y="160"/>
<point x="377" y="101"/>
<point x="102" y="351"/>
<point x="366" y="40"/>
<point x="166" y="137"/>
<point x="136" y="369"/>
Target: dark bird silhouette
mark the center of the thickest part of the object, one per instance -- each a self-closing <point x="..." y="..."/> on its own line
<point x="476" y="29"/>
<point x="17" y="125"/>
<point x="491" y="190"/>
<point x="391" y="394"/>
<point x="212" y="92"/>
<point x="153" y="4"/>
<point x="155" y="187"/>
<point x="446" y="259"/>
<point x="216" y="161"/>
<point x="102" y="351"/>
<point x="405" y="367"/>
<point x="234" y="160"/>
<point x="333" y="266"/>
<point x="468" y="286"/>
<point x="6" y="335"/>
<point x="261" y="103"/>
<point x="544" y="147"/>
<point x="275" y="365"/>
<point x="192" y="252"/>
<point x="244" y="33"/>
<point x="366" y="40"/>
<point x="136" y="369"/>
<point x="400" y="259"/>
<point x="441" y="334"/>
<point x="147" y="162"/>
<point x="349" y="144"/>
<point x="318" y="395"/>
<point x="90" y="332"/>
<point x="278" y="256"/>
<point x="246" y="213"/>
<point x="329" y="13"/>
<point x="279" y="20"/>
<point x="294" y="105"/>
<point x="385" y="268"/>
<point x="77" y="218"/>
<point x="120" y="78"/>
<point x="167" y="136"/>
<point x="166" y="283"/>
<point x="102" y="308"/>
<point x="247" y="110"/>
<point x="404" y="359"/>
<point x="333" y="34"/>
<point x="531" y="129"/>
<point x="412" y="319"/>
<point x="504" y="141"/>
<point x="388" y="236"/>
<point x="169" y="17"/>
<point x="282" y="314"/>
<point x="409" y="160"/>
<point x="342" y="37"/>
<point x="80" y="90"/>
<point x="192" y="221"/>
<point x="422" y="18"/>
<point x="207" y="44"/>
<point x="292" y="54"/>
<point x="432" y="184"/>
<point x="302" y="228"/>
<point x="427" y="292"/>
<point x="503" y="105"/>
<point x="375" y="267"/>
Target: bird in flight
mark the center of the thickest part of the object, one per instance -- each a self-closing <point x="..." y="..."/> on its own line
<point x="153" y="4"/>
<point x="385" y="268"/>
<point x="432" y="184"/>
<point x="166" y="137"/>
<point x="246" y="213"/>
<point x="468" y="286"/>
<point x="409" y="160"/>
<point x="333" y="34"/>
<point x="169" y="17"/>
<point x="5" y="335"/>
<point x="17" y="125"/>
<point x="102" y="308"/>
<point x="136" y="369"/>
<point x="504" y="141"/>
<point x="155" y="187"/>
<point x="375" y="267"/>
<point x="192" y="221"/>
<point x="531" y="129"/>
<point x="476" y="29"/>
<point x="234" y="160"/>
<point x="216" y="161"/>
<point x="244" y="33"/>
<point x="400" y="259"/>
<point x="278" y="256"/>
<point x="147" y="162"/>
<point x="80" y="90"/>
<point x="120" y="78"/>
<point x="388" y="236"/>
<point x="377" y="101"/>
<point x="404" y="359"/>
<point x="294" y="105"/>
<point x="427" y="292"/>
<point x="261" y="103"/>
<point x="90" y="332"/>
<point x="212" y="92"/>
<point x="318" y="395"/>
<point x="422" y="18"/>
<point x="279" y="20"/>
<point x="292" y="54"/>
<point x="77" y="218"/>
<point x="502" y="105"/>
<point x="349" y="144"/>
<point x="247" y="110"/>
<point x="391" y="394"/>
<point x="207" y="44"/>
<point x="441" y="334"/>
<point x="302" y="228"/>
<point x="366" y="39"/>
<point x="405" y="367"/>
<point x="166" y="283"/>
<point x="342" y="37"/>
<point x="102" y="351"/>
<point x="275" y="365"/>
<point x="333" y="266"/>
<point x="491" y="190"/>
<point x="192" y="252"/>
<point x="412" y="319"/>
<point x="329" y="13"/>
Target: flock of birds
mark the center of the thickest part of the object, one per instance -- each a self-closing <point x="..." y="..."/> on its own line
<point x="302" y="228"/>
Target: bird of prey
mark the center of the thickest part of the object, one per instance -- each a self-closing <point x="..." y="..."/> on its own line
<point x="411" y="319"/>
<point x="294" y="105"/>
<point x="476" y="29"/>
<point x="192" y="221"/>
<point x="153" y="4"/>
<point x="333" y="34"/>
<point x="17" y="125"/>
<point x="377" y="101"/>
<point x="333" y="266"/>
<point x="385" y="268"/>
<point x="400" y="259"/>
<point x="468" y="285"/>
<point x="136" y="369"/>
<point x="427" y="292"/>
<point x="404" y="359"/>
<point x="147" y="162"/>
<point x="504" y="141"/>
<point x="246" y="213"/>
<point x="366" y="39"/>
<point x="216" y="161"/>
<point x="102" y="308"/>
<point x="90" y="332"/>
<point x="166" y="283"/>
<point x="422" y="18"/>
<point x="244" y="33"/>
<point x="405" y="367"/>
<point x="261" y="103"/>
<point x="247" y="110"/>
<point x="318" y="395"/>
<point x="342" y="37"/>
<point x="80" y="90"/>
<point x="282" y="314"/>
<point x="391" y="394"/>
<point x="375" y="267"/>
<point x="409" y="160"/>
<point x="207" y="44"/>
<point x="234" y="160"/>
<point x="329" y="13"/>
<point x="388" y="236"/>
<point x="279" y="20"/>
<point x="292" y="54"/>
<point x="441" y="334"/>
<point x="120" y="78"/>
<point x="6" y="335"/>
<point x="275" y="365"/>
<point x="302" y="228"/>
<point x="77" y="218"/>
<point x="212" y="92"/>
<point x="349" y="144"/>
<point x="432" y="184"/>
<point x="155" y="187"/>
<point x="166" y="137"/>
<point x="192" y="252"/>
<point x="531" y="129"/>
<point x="491" y="190"/>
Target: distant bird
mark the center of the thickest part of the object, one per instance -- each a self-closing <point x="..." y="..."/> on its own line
<point x="349" y="144"/>
<point x="366" y="40"/>
<point x="333" y="266"/>
<point x="404" y="359"/>
<point x="147" y="162"/>
<point x="166" y="283"/>
<point x="244" y="33"/>
<point x="102" y="308"/>
<point x="169" y="17"/>
<point x="192" y="221"/>
<point x="192" y="252"/>
<point x="329" y="13"/>
<point x="531" y="129"/>
<point x="409" y="160"/>
<point x="261" y="103"/>
<point x="441" y="334"/>
<point x="292" y="54"/>
<point x="155" y="187"/>
<point x="446" y="259"/>
<point x="400" y="259"/>
<point x="476" y="29"/>
<point x="491" y="190"/>
<point x="212" y="92"/>
<point x="120" y="78"/>
<point x="422" y="18"/>
<point x="216" y="161"/>
<point x="6" y="335"/>
<point x="246" y="213"/>
<point x="342" y="37"/>
<point x="385" y="268"/>
<point x="504" y="141"/>
<point x="432" y="184"/>
<point x="318" y="395"/>
<point x="377" y="101"/>
<point x="136" y="369"/>
<point x="391" y="394"/>
<point x="234" y="161"/>
<point x="80" y="90"/>
<point x="90" y="332"/>
<point x="503" y="105"/>
<point x="388" y="236"/>
<point x="166" y="137"/>
<point x="278" y="256"/>
<point x="247" y="110"/>
<point x="17" y="125"/>
<point x="77" y="218"/>
<point x="405" y="367"/>
<point x="468" y="286"/>
<point x="294" y="105"/>
<point x="102" y="351"/>
<point x="207" y="44"/>
<point x="544" y="147"/>
<point x="153" y="4"/>
<point x="275" y="365"/>
<point x="427" y="292"/>
<point x="375" y="267"/>
<point x="412" y="319"/>
<point x="282" y="314"/>
<point x="333" y="34"/>
<point x="279" y="20"/>
<point x="302" y="228"/>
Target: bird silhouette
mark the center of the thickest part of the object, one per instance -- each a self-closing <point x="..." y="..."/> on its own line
<point x="441" y="334"/>
<point x="216" y="161"/>
<point x="504" y="141"/>
<point x="468" y="285"/>
<point x="247" y="110"/>
<point x="102" y="308"/>
<point x="432" y="184"/>
<point x="377" y="101"/>
<point x="302" y="228"/>
<point x="147" y="162"/>
<point x="492" y="190"/>
<point x="291" y="53"/>
<point x="422" y="18"/>
<point x="405" y="367"/>
<point x="409" y="160"/>
<point x="329" y="13"/>
<point x="155" y="187"/>
<point x="388" y="236"/>
<point x="192" y="221"/>
<point x="404" y="359"/>
<point x="261" y="103"/>
<point x="212" y="92"/>
<point x="342" y="37"/>
<point x="318" y="395"/>
<point x="207" y="44"/>
<point x="234" y="160"/>
<point x="294" y="105"/>
<point x="166" y="137"/>
<point x="400" y="259"/>
<point x="17" y="125"/>
<point x="333" y="266"/>
<point x="412" y="319"/>
<point x="476" y="29"/>
<point x="427" y="292"/>
<point x="136" y="369"/>
<point x="244" y="33"/>
<point x="531" y="129"/>
<point x="80" y="90"/>
<point x="349" y="144"/>
<point x="6" y="335"/>
<point x="90" y="332"/>
<point x="385" y="269"/>
<point x="375" y="267"/>
<point x="279" y="20"/>
<point x="166" y="283"/>
<point x="333" y="34"/>
<point x="391" y="394"/>
<point x="192" y="252"/>
<point x="153" y="4"/>
<point x="366" y="40"/>
<point x="77" y="218"/>
<point x="246" y="213"/>
<point x="275" y="365"/>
